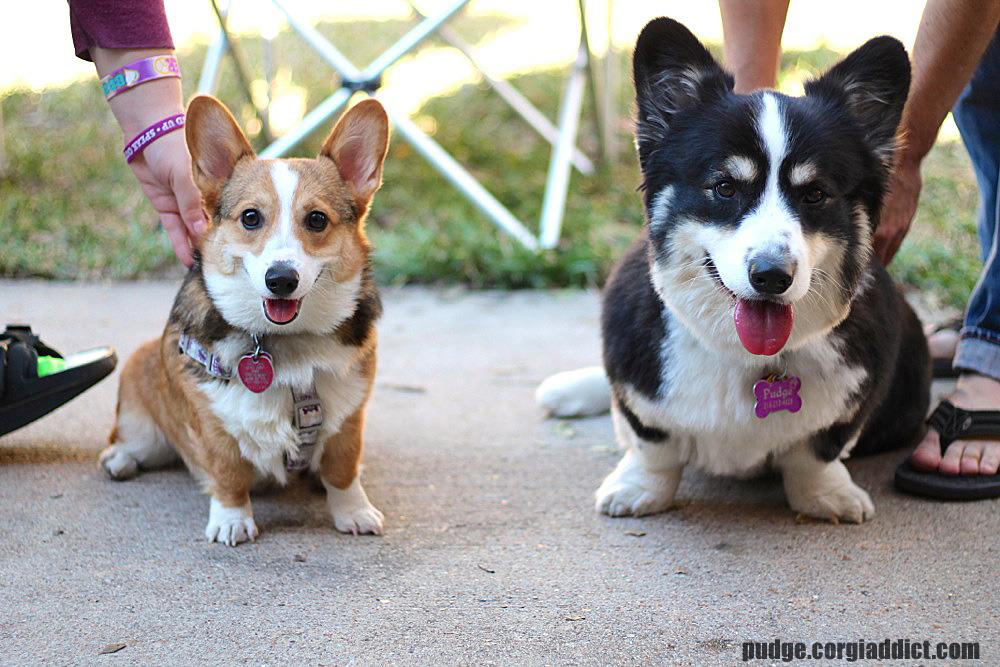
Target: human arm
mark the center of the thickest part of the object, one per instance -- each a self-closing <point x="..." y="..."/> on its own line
<point x="115" y="33"/>
<point x="951" y="40"/>
<point x="752" y="41"/>
<point x="163" y="169"/>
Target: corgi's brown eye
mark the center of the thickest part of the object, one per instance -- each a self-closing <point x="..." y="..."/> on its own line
<point x="316" y="221"/>
<point x="813" y="196"/>
<point x="251" y="218"/>
<point x="725" y="189"/>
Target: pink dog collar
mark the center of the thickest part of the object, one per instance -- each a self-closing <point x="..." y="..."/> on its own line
<point x="151" y="134"/>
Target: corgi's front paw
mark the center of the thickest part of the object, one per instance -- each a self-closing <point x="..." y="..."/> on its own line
<point x="631" y="498"/>
<point x="352" y="511"/>
<point x="823" y="490"/>
<point x="848" y="502"/>
<point x="118" y="463"/>
<point x="230" y="525"/>
<point x="634" y="490"/>
<point x="363" y="521"/>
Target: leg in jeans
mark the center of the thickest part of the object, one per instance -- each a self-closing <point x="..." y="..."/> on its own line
<point x="977" y="115"/>
<point x="978" y="353"/>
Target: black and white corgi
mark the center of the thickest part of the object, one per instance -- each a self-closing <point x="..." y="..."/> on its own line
<point x="751" y="323"/>
<point x="267" y="360"/>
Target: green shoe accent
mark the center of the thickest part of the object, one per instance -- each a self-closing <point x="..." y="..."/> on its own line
<point x="50" y="366"/>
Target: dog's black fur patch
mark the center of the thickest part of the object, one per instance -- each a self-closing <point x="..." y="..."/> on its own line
<point x="632" y="324"/>
<point x="647" y="433"/>
<point x="358" y="327"/>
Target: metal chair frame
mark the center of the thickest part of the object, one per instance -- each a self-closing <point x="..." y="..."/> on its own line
<point x="565" y="154"/>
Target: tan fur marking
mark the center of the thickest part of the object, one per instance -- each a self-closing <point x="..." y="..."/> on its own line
<point x="342" y="451"/>
<point x="154" y="381"/>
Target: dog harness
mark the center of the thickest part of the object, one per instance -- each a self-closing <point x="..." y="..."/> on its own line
<point x="307" y="417"/>
<point x="307" y="411"/>
<point x="213" y="365"/>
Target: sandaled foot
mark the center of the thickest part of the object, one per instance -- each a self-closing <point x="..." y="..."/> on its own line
<point x="35" y="379"/>
<point x="942" y="341"/>
<point x="959" y="457"/>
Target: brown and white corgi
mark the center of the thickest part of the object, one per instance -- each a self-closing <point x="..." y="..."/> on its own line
<point x="268" y="356"/>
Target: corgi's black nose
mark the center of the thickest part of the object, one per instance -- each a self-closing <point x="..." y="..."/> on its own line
<point x="281" y="280"/>
<point x="768" y="276"/>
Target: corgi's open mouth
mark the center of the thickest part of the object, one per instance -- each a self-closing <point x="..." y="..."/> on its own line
<point x="281" y="311"/>
<point x="763" y="326"/>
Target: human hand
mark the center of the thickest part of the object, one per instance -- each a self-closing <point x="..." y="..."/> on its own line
<point x="163" y="170"/>
<point x="898" y="209"/>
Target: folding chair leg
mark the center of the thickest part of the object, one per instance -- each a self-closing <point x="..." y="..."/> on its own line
<point x="210" y="68"/>
<point x="514" y="99"/>
<point x="557" y="183"/>
<point x="602" y="149"/>
<point x="239" y="62"/>
<point x="321" y="114"/>
<point x="438" y="158"/>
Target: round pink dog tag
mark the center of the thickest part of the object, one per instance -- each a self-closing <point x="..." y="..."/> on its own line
<point x="256" y="374"/>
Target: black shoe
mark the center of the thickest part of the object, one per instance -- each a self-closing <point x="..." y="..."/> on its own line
<point x="24" y="396"/>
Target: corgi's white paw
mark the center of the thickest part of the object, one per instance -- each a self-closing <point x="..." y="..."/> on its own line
<point x="821" y="489"/>
<point x="632" y="489"/>
<point x="230" y="525"/>
<point x="578" y="393"/>
<point x="362" y="521"/>
<point x="848" y="502"/>
<point x="632" y="498"/>
<point x="352" y="511"/>
<point x="118" y="463"/>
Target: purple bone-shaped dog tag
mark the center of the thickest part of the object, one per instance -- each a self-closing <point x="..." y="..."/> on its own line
<point x="781" y="394"/>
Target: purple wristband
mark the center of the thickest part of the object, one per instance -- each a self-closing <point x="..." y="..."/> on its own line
<point x="141" y="71"/>
<point x="151" y="134"/>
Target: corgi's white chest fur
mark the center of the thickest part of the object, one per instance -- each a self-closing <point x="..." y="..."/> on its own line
<point x="707" y="405"/>
<point x="262" y="423"/>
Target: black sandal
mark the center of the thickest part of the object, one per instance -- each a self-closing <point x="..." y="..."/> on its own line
<point x="953" y="424"/>
<point x="35" y="379"/>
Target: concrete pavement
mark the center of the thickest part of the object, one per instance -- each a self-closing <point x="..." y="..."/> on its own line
<point x="492" y="553"/>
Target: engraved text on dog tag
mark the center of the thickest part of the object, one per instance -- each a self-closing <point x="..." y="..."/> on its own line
<point x="257" y="373"/>
<point x="777" y="392"/>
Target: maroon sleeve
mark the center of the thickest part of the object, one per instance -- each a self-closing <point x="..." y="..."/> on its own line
<point x="118" y="24"/>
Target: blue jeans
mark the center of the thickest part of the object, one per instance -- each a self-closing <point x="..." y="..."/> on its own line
<point x="977" y="115"/>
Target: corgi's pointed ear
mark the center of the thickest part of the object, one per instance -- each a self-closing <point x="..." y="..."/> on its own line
<point x="357" y="145"/>
<point x="872" y="83"/>
<point x="672" y="72"/>
<point x="216" y="144"/>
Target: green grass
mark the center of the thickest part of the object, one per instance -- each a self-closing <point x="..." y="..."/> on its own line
<point x="941" y="253"/>
<point x="70" y="208"/>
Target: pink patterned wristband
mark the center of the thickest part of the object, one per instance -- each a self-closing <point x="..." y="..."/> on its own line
<point x="151" y="134"/>
<point x="141" y="71"/>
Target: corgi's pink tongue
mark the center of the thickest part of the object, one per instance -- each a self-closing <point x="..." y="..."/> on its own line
<point x="281" y="311"/>
<point x="763" y="326"/>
